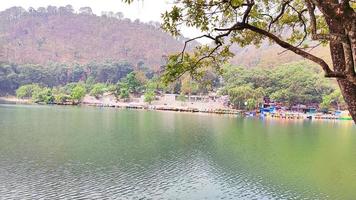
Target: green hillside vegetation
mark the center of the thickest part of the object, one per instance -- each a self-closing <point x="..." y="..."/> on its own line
<point x="290" y="84"/>
<point x="13" y="76"/>
<point x="74" y="92"/>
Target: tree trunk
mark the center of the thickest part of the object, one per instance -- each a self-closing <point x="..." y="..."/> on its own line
<point x="348" y="91"/>
<point x="347" y="88"/>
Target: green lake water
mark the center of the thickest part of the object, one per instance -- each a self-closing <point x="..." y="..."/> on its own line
<point x="51" y="152"/>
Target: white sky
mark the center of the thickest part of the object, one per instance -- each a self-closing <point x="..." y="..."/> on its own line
<point x="145" y="10"/>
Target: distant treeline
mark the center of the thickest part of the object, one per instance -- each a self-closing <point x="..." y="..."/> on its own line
<point x="290" y="84"/>
<point x="12" y="76"/>
<point x="133" y="84"/>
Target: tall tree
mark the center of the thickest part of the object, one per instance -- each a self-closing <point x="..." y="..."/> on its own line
<point x="289" y="23"/>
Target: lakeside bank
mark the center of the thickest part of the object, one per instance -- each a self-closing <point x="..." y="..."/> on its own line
<point x="12" y="99"/>
<point x="161" y="105"/>
<point x="189" y="107"/>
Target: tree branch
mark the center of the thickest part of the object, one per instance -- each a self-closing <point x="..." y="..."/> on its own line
<point x="315" y="36"/>
<point x="250" y="4"/>
<point x="193" y="39"/>
<point x="296" y="50"/>
<point x="283" y="8"/>
<point x="300" y="16"/>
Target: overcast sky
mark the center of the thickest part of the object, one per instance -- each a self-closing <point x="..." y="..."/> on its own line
<point x="145" y="10"/>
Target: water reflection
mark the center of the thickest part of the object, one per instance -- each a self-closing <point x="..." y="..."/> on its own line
<point x="76" y="153"/>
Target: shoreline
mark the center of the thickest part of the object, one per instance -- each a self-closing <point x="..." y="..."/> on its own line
<point x="186" y="109"/>
<point x="13" y="99"/>
<point x="168" y="108"/>
<point x="132" y="105"/>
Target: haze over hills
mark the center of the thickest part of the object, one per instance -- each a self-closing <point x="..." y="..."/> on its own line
<point x="61" y="35"/>
<point x="43" y="35"/>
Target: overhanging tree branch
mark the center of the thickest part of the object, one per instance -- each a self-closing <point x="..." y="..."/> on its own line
<point x="286" y="45"/>
<point x="193" y="39"/>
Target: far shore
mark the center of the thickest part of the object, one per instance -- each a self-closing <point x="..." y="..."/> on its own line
<point x="193" y="107"/>
<point x="14" y="99"/>
<point x="164" y="104"/>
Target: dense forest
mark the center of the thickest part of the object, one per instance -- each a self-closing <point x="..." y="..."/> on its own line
<point x="12" y="75"/>
<point x="62" y="35"/>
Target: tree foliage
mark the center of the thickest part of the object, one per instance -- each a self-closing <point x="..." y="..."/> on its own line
<point x="149" y="96"/>
<point x="188" y="86"/>
<point x="333" y="99"/>
<point x="124" y="93"/>
<point x="289" y="23"/>
<point x="98" y="89"/>
<point x="245" y="96"/>
<point x="60" y="96"/>
<point x="78" y="92"/>
<point x="26" y="91"/>
<point x="131" y="83"/>
<point x="43" y="95"/>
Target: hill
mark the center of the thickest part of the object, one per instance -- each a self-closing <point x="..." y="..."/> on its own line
<point x="60" y="35"/>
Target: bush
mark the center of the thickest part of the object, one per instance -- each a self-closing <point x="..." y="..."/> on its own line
<point x="112" y="88"/>
<point x="26" y="91"/>
<point x="124" y="93"/>
<point x="98" y="90"/>
<point x="181" y="97"/>
<point x="60" y="96"/>
<point x="78" y="92"/>
<point x="149" y="96"/>
<point x="43" y="95"/>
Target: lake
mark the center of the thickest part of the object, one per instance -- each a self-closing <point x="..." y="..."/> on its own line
<point x="54" y="152"/>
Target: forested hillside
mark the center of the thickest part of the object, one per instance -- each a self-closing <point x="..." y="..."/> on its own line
<point x="54" y="47"/>
<point x="62" y="35"/>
